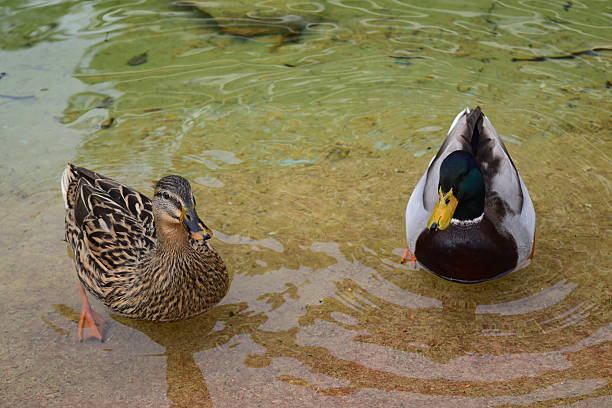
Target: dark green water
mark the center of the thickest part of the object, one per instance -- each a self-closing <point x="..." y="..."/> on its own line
<point x="303" y="144"/>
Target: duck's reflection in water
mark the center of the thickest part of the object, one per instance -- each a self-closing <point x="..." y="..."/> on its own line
<point x="183" y="339"/>
<point x="348" y="330"/>
<point x="348" y="323"/>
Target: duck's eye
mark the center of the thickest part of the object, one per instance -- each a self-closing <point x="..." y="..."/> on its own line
<point x="165" y="195"/>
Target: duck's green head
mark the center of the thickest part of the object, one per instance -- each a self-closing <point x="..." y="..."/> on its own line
<point x="461" y="191"/>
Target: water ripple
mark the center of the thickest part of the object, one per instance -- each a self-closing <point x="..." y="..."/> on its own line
<point x="302" y="151"/>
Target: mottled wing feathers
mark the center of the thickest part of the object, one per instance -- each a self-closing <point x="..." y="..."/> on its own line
<point x="131" y="201"/>
<point x="92" y="201"/>
<point x="114" y="239"/>
<point x="134" y="203"/>
<point x="113" y="223"/>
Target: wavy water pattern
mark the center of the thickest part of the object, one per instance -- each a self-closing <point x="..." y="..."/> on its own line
<point x="303" y="127"/>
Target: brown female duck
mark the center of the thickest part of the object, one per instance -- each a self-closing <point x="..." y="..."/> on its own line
<point x="145" y="259"/>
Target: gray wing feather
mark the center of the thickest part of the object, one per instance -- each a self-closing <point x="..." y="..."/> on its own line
<point x="504" y="192"/>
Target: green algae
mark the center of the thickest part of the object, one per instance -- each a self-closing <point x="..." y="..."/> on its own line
<point x="302" y="159"/>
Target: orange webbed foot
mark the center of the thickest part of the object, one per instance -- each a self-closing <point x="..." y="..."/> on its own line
<point x="90" y="319"/>
<point x="409" y="255"/>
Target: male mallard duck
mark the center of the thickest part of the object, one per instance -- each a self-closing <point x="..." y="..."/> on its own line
<point x="470" y="217"/>
<point x="145" y="259"/>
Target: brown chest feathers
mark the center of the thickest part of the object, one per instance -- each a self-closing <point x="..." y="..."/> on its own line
<point x="473" y="252"/>
<point x="168" y="285"/>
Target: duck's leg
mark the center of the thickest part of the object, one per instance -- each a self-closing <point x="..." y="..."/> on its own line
<point x="90" y="318"/>
<point x="409" y="255"/>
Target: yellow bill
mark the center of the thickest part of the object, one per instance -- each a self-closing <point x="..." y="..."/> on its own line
<point x="443" y="213"/>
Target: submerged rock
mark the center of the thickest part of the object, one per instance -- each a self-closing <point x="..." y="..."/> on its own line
<point x="245" y="19"/>
<point x="338" y="152"/>
<point x="107" y="123"/>
<point x="138" y="59"/>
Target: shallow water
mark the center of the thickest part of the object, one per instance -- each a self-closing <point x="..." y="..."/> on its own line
<point x="303" y="151"/>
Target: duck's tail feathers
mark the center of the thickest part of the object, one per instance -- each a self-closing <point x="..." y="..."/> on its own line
<point x="67" y="177"/>
<point x="459" y="116"/>
<point x="474" y="124"/>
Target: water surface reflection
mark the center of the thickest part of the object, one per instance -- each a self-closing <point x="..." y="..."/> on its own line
<point x="302" y="153"/>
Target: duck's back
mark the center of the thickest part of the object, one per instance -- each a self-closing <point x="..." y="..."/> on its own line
<point x="109" y="227"/>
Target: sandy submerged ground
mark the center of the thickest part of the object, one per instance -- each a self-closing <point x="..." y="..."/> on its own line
<point x="303" y="171"/>
<point x="314" y="323"/>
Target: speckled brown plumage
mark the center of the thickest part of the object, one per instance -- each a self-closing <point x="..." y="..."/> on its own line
<point x="123" y="260"/>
